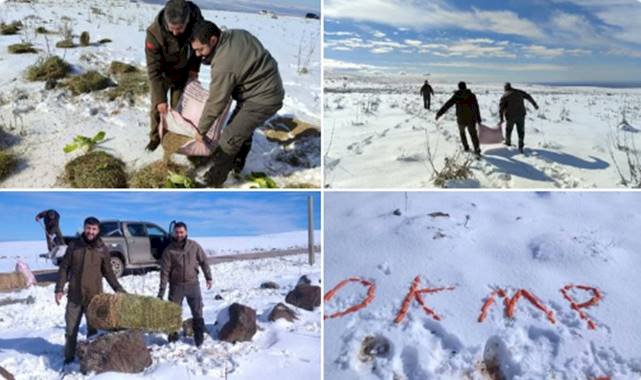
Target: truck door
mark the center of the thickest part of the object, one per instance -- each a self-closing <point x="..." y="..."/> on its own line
<point x="158" y="239"/>
<point x="137" y="242"/>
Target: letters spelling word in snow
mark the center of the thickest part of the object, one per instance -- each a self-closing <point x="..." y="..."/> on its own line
<point x="416" y="293"/>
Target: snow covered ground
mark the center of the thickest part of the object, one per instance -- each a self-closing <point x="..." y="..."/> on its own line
<point x="40" y="122"/>
<point x="539" y="242"/>
<point x="29" y="251"/>
<point x="376" y="122"/>
<point x="32" y="337"/>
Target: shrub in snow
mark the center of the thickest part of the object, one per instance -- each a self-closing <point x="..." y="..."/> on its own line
<point x="96" y="170"/>
<point x="53" y="67"/>
<point x="9" y="29"/>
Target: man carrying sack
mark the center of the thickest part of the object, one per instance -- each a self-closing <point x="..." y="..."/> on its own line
<point x="243" y="70"/>
<point x="170" y="61"/>
<point x="84" y="264"/>
<point x="512" y="108"/>
<point x="52" y="228"/>
<point x="468" y="115"/>
<point x="179" y="266"/>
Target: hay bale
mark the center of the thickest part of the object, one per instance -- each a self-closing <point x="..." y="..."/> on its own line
<point x="154" y="175"/>
<point x="8" y="163"/>
<point x="286" y="130"/>
<point x="238" y="323"/>
<point x="85" y="39"/>
<point x="129" y="86"/>
<point x="88" y="82"/>
<point x="129" y="311"/>
<point x="53" y="67"/>
<point x="119" y="68"/>
<point x="22" y="48"/>
<point x="281" y="311"/>
<point x="304" y="296"/>
<point x="96" y="170"/>
<point x="12" y="281"/>
<point x="65" y="44"/>
<point x="10" y="29"/>
<point x="123" y="352"/>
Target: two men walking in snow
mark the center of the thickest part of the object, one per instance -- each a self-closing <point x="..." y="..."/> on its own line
<point x="179" y="267"/>
<point x="511" y="110"/>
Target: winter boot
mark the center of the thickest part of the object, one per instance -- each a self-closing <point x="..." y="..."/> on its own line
<point x="153" y="144"/>
<point x="241" y="156"/>
<point x="173" y="337"/>
<point x="199" y="331"/>
<point x="521" y="146"/>
<point x="217" y="174"/>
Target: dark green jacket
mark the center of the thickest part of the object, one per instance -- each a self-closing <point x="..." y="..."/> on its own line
<point x="179" y="264"/>
<point x="243" y="70"/>
<point x="467" y="107"/>
<point x="83" y="266"/>
<point x="169" y="58"/>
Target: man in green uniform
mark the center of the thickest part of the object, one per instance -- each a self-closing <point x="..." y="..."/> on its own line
<point x="171" y="63"/>
<point x="179" y="266"/>
<point x="84" y="264"/>
<point x="243" y="70"/>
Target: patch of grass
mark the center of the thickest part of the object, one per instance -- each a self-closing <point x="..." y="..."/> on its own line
<point x="88" y="82"/>
<point x="156" y="175"/>
<point x="129" y="86"/>
<point x="96" y="170"/>
<point x="21" y="48"/>
<point x="171" y="142"/>
<point x="43" y="30"/>
<point x="10" y="29"/>
<point x="85" y="39"/>
<point x="66" y="44"/>
<point x="53" y="67"/>
<point x="119" y="68"/>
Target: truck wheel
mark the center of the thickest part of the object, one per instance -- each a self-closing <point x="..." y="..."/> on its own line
<point x="117" y="266"/>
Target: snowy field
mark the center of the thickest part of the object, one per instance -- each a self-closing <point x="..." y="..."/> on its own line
<point x="478" y="243"/>
<point x="373" y="123"/>
<point x="40" y="122"/>
<point x="32" y="339"/>
<point x="29" y="251"/>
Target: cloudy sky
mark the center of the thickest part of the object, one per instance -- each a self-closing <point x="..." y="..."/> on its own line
<point x="526" y="40"/>
<point x="206" y="213"/>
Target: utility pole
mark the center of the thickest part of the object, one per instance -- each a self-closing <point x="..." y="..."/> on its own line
<point x="310" y="228"/>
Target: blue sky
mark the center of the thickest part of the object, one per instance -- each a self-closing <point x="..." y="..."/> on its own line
<point x="518" y="40"/>
<point x="206" y="213"/>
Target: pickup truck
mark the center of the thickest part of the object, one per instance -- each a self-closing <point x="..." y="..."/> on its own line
<point x="131" y="244"/>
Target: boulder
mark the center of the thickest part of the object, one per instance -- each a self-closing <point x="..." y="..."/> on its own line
<point x="240" y="325"/>
<point x="281" y="311"/>
<point x="123" y="351"/>
<point x="305" y="296"/>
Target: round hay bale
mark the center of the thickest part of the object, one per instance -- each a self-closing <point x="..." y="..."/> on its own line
<point x="12" y="281"/>
<point x="8" y="163"/>
<point x="129" y="311"/>
<point x="154" y="175"/>
<point x="96" y="170"/>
